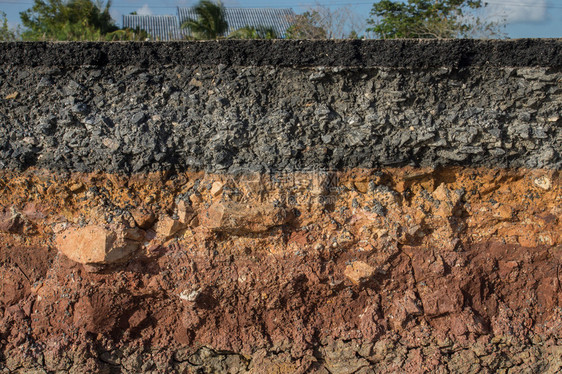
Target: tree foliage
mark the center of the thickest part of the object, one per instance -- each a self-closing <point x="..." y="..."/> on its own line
<point x="127" y="34"/>
<point x="307" y="26"/>
<point x="7" y="34"/>
<point x="67" y="20"/>
<point x="251" y="32"/>
<point x="210" y="23"/>
<point x="323" y="22"/>
<point x="429" y="19"/>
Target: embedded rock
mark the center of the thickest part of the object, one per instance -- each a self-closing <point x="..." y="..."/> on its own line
<point x="243" y="218"/>
<point x="359" y="271"/>
<point x="98" y="245"/>
<point x="143" y="218"/>
<point x="10" y="222"/>
<point x="168" y="226"/>
<point x="186" y="214"/>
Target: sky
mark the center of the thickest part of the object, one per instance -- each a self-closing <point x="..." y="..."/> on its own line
<point x="522" y="18"/>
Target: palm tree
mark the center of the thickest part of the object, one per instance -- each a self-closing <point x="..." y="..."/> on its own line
<point x="211" y="21"/>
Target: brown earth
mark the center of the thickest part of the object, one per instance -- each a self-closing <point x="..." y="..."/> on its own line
<point x="391" y="270"/>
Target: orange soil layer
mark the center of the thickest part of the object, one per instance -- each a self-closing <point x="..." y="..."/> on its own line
<point x="394" y="269"/>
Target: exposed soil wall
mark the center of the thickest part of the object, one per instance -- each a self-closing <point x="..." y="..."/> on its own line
<point x="158" y="115"/>
<point x="281" y="207"/>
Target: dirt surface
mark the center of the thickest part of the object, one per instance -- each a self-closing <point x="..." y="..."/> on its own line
<point x="281" y="207"/>
<point x="369" y="270"/>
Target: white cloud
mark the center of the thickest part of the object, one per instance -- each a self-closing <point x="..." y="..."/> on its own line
<point x="144" y="11"/>
<point x="511" y="11"/>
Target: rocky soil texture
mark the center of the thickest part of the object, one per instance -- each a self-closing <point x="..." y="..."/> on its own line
<point x="134" y="118"/>
<point x="281" y="207"/>
<point x="386" y="270"/>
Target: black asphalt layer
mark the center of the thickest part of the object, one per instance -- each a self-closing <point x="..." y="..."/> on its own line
<point x="360" y="53"/>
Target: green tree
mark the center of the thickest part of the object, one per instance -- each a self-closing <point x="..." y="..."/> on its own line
<point x="127" y="34"/>
<point x="210" y="23"/>
<point x="67" y="20"/>
<point x="7" y="34"/>
<point x="429" y="19"/>
<point x="307" y="26"/>
<point x="353" y="35"/>
<point x="324" y="22"/>
<point x="251" y="32"/>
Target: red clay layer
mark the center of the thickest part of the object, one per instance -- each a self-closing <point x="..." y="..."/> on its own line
<point x="401" y="270"/>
